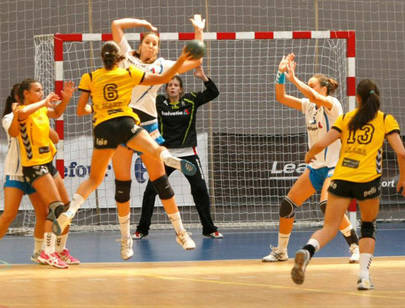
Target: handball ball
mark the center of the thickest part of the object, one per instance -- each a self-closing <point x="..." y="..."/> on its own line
<point x="196" y="48"/>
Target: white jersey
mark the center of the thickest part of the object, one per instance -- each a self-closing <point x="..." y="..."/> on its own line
<point x="12" y="164"/>
<point x="144" y="97"/>
<point x="319" y="121"/>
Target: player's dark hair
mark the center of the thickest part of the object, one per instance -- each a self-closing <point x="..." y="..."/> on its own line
<point x="330" y="83"/>
<point x="12" y="98"/>
<point x="25" y="85"/>
<point x="178" y="78"/>
<point x="110" y="53"/>
<point x="369" y="105"/>
<point x="143" y="36"/>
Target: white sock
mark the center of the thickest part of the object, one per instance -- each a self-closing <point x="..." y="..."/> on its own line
<point x="61" y="242"/>
<point x="38" y="242"/>
<point x="125" y="226"/>
<point x="365" y="262"/>
<point x="315" y="243"/>
<point x="176" y="222"/>
<point x="347" y="231"/>
<point x="49" y="242"/>
<point x="165" y="154"/>
<point x="75" y="205"/>
<point x="283" y="240"/>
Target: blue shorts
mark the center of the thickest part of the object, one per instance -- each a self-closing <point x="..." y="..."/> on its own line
<point x="153" y="130"/>
<point x="18" y="182"/>
<point x="318" y="176"/>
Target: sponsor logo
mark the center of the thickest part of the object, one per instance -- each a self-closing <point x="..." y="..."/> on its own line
<point x="370" y="192"/>
<point x="101" y="141"/>
<point x="76" y="170"/>
<point x="283" y="171"/>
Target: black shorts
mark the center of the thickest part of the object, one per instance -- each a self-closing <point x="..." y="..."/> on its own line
<point x="111" y="133"/>
<point x="34" y="172"/>
<point x="353" y="190"/>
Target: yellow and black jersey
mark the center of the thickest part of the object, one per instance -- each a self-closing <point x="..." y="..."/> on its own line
<point x="35" y="144"/>
<point x="361" y="152"/>
<point x="111" y="92"/>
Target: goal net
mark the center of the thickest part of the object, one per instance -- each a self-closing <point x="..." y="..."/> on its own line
<point x="251" y="146"/>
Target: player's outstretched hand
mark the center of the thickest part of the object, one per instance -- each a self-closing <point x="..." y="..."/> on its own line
<point x="282" y="67"/>
<point x="290" y="74"/>
<point x="198" y="22"/>
<point x="199" y="73"/>
<point x="51" y="99"/>
<point x="150" y="27"/>
<point x="68" y="89"/>
<point x="185" y="55"/>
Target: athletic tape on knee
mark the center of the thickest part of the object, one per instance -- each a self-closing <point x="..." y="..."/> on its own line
<point x="55" y="208"/>
<point x="322" y="206"/>
<point x="368" y="229"/>
<point x="122" y="191"/>
<point x="163" y="187"/>
<point x="287" y="208"/>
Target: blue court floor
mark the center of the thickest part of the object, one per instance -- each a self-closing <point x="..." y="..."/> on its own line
<point x="160" y="246"/>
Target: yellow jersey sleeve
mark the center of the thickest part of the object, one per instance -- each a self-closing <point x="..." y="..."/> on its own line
<point x="391" y="125"/>
<point x="339" y="123"/>
<point x="85" y="83"/>
<point x="136" y="74"/>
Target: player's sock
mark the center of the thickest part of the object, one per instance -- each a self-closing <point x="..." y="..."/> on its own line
<point x="312" y="246"/>
<point x="125" y="226"/>
<point x="283" y="240"/>
<point x="61" y="242"/>
<point x="49" y="242"/>
<point x="175" y="219"/>
<point x="365" y="262"/>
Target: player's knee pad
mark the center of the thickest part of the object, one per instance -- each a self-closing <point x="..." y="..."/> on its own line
<point x="163" y="187"/>
<point x="122" y="191"/>
<point x="55" y="209"/>
<point x="322" y="206"/>
<point x="287" y="208"/>
<point x="368" y="229"/>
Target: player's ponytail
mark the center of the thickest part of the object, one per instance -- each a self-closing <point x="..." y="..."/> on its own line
<point x="11" y="99"/>
<point x="330" y="83"/>
<point x="110" y="53"/>
<point x="369" y="105"/>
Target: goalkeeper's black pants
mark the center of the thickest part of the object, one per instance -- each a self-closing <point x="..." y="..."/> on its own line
<point x="199" y="192"/>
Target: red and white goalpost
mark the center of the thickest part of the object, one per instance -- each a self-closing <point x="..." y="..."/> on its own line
<point x="251" y="147"/>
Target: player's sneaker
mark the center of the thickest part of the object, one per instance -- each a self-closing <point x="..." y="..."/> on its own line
<point x="354" y="250"/>
<point x="215" y="235"/>
<point x="126" y="248"/>
<point x="364" y="284"/>
<point x="64" y="220"/>
<point x="276" y="255"/>
<point x="301" y="261"/>
<point x="68" y="258"/>
<point x="185" y="241"/>
<point x="183" y="165"/>
<point x="34" y="258"/>
<point x="52" y="259"/>
<point x="138" y="235"/>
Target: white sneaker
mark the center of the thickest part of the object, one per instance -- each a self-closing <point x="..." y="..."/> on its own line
<point x="185" y="241"/>
<point x="364" y="284"/>
<point x="276" y="255"/>
<point x="301" y="261"/>
<point x="126" y="248"/>
<point x="354" y="250"/>
<point x="186" y="167"/>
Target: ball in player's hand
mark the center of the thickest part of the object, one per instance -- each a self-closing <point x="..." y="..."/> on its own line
<point x="196" y="48"/>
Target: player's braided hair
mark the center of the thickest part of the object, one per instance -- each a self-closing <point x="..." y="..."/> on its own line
<point x="110" y="53"/>
<point x="369" y="105"/>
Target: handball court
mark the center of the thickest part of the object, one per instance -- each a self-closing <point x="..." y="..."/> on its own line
<point x="218" y="273"/>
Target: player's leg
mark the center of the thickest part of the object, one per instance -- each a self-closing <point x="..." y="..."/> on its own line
<point x="12" y="200"/>
<point x="346" y="228"/>
<point x="335" y="210"/>
<point x="299" y="192"/>
<point x="61" y="240"/>
<point x="46" y="188"/>
<point x="41" y="212"/>
<point x="159" y="179"/>
<point x="369" y="210"/>
<point x="99" y="163"/>
<point x="122" y="162"/>
<point x="201" y="199"/>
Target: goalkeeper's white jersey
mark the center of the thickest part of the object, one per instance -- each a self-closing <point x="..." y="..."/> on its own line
<point x="319" y="121"/>
<point x="144" y="97"/>
<point x="12" y="164"/>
